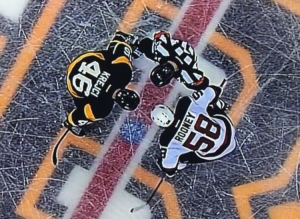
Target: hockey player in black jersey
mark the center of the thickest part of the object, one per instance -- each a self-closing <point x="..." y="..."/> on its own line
<point x="176" y="58"/>
<point x="96" y="80"/>
<point x="195" y="133"/>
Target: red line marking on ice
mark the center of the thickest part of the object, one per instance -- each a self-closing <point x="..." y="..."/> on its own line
<point x="196" y="20"/>
<point x="120" y="153"/>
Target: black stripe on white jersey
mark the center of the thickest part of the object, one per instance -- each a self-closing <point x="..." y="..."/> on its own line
<point x="181" y="109"/>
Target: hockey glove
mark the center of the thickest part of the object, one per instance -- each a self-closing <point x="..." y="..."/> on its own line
<point x="202" y="84"/>
<point x="169" y="172"/>
<point x="220" y="107"/>
<point x="76" y="130"/>
<point x="143" y="46"/>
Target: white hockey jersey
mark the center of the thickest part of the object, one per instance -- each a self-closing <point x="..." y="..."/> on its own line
<point x="193" y="130"/>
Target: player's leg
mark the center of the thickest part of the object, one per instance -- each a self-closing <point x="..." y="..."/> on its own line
<point x="184" y="161"/>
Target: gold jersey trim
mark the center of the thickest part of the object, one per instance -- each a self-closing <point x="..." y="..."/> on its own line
<point x="70" y="119"/>
<point x="71" y="66"/>
<point x="122" y="59"/>
<point x="89" y="113"/>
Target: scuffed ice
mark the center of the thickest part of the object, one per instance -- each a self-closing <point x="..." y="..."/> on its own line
<point x="266" y="135"/>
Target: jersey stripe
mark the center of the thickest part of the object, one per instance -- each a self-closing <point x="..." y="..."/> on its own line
<point x="70" y="120"/>
<point x="122" y="59"/>
<point x="89" y="113"/>
<point x="119" y="43"/>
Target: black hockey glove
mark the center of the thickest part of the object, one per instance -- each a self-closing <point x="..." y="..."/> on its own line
<point x="143" y="46"/>
<point x="169" y="172"/>
<point x="220" y="107"/>
<point x="76" y="130"/>
<point x="202" y="84"/>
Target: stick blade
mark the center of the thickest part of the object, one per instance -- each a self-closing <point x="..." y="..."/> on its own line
<point x="137" y="208"/>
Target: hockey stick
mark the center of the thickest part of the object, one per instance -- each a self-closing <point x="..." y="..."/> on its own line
<point x="150" y="198"/>
<point x="55" y="150"/>
<point x="223" y="82"/>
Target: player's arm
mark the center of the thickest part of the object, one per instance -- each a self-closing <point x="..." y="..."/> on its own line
<point x="187" y="64"/>
<point x="206" y="97"/>
<point x="149" y="48"/>
<point x="156" y="49"/>
<point x="196" y="80"/>
<point x="121" y="57"/>
<point x="144" y="46"/>
<point x="122" y="37"/>
<point x="120" y="48"/>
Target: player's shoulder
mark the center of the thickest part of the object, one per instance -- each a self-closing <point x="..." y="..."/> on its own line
<point x="99" y="54"/>
<point x="183" y="105"/>
<point x="211" y="90"/>
<point x="86" y="57"/>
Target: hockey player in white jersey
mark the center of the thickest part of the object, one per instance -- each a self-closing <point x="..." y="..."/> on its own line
<point x="196" y="132"/>
<point x="176" y="58"/>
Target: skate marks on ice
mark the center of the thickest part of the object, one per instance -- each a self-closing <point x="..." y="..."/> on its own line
<point x="176" y="214"/>
<point x="220" y="40"/>
<point x="30" y="199"/>
<point x="14" y="9"/>
<point x="271" y="122"/>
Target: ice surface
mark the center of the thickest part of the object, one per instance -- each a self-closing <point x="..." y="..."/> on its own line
<point x="254" y="43"/>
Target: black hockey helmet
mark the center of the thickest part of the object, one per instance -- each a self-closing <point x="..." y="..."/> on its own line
<point x="127" y="99"/>
<point x="162" y="74"/>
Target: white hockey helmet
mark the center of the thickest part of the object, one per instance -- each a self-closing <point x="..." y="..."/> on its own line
<point x="162" y="116"/>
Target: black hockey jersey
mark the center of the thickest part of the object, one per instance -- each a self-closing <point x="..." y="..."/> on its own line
<point x="96" y="74"/>
<point x="93" y="77"/>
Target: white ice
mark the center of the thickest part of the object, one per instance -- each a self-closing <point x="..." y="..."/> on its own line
<point x="73" y="189"/>
<point x="13" y="9"/>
